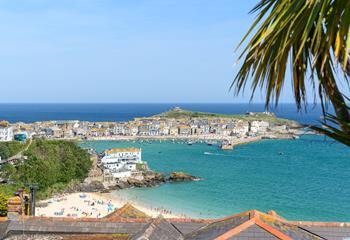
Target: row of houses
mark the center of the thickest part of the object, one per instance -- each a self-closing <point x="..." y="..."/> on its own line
<point x="140" y="127"/>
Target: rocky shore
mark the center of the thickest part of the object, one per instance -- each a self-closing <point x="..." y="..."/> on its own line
<point x="148" y="179"/>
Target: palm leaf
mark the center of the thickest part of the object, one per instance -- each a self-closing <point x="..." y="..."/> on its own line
<point x="309" y="37"/>
<point x="333" y="132"/>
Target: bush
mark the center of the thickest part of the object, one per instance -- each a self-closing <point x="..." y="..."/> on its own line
<point x="51" y="165"/>
<point x="8" y="149"/>
<point x="3" y="204"/>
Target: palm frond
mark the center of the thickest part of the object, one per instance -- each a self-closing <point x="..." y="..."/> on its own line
<point x="309" y="37"/>
<point x="305" y="34"/>
<point x="333" y="132"/>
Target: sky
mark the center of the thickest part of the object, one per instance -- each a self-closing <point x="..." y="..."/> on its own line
<point x="122" y="51"/>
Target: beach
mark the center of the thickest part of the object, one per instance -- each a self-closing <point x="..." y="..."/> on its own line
<point x="92" y="205"/>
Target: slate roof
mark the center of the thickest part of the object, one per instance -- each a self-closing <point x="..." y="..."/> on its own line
<point x="73" y="227"/>
<point x="130" y="223"/>
<point x="189" y="226"/>
<point x="327" y="230"/>
<point x="252" y="225"/>
<point x="254" y="232"/>
<point x="159" y="229"/>
<point x="218" y="228"/>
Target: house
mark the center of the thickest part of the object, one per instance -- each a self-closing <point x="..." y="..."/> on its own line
<point x="6" y="132"/>
<point x="184" y="130"/>
<point x="119" y="129"/>
<point x="173" y="131"/>
<point x="204" y="129"/>
<point x="258" y="126"/>
<point x="121" y="162"/>
<point x="217" y="129"/>
<point x="279" y="128"/>
<point x="154" y="129"/>
<point x="56" y="132"/>
<point x="164" y="131"/>
<point x="241" y="128"/>
<point x="129" y="222"/>
<point x="143" y="130"/>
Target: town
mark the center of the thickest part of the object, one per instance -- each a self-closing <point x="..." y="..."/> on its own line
<point x="176" y="124"/>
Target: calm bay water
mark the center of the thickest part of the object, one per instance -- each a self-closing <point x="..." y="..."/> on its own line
<point x="124" y="112"/>
<point x="305" y="179"/>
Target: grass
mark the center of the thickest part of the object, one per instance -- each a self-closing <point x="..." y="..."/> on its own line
<point x="180" y="113"/>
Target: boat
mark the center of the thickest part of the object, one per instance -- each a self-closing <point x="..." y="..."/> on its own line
<point x="226" y="145"/>
<point x="189" y="143"/>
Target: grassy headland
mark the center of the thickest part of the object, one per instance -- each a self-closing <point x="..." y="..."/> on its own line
<point x="178" y="113"/>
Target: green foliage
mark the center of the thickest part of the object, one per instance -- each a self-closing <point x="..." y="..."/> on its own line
<point x="180" y="113"/>
<point x="3" y="204"/>
<point x="331" y="131"/>
<point x="304" y="34"/>
<point x="51" y="165"/>
<point x="8" y="149"/>
<point x="8" y="190"/>
<point x="309" y="37"/>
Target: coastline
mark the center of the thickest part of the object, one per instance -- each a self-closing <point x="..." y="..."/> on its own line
<point x="240" y="159"/>
<point x="210" y="137"/>
<point x="93" y="205"/>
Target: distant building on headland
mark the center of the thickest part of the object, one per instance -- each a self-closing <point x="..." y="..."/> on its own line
<point x="168" y="124"/>
<point x="6" y="132"/>
<point x="121" y="162"/>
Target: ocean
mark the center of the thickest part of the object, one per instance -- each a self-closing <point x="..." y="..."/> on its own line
<point x="17" y="112"/>
<point x="304" y="179"/>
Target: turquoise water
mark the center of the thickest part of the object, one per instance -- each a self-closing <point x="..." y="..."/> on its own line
<point x="305" y="179"/>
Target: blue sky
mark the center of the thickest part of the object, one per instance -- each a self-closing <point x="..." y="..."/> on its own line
<point x="121" y="51"/>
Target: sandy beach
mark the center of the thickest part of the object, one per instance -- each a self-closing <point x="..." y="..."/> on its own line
<point x="92" y="205"/>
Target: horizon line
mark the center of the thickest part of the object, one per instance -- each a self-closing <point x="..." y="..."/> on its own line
<point x="250" y="103"/>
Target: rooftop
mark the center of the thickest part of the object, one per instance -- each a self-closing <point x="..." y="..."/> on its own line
<point x="118" y="150"/>
<point x="130" y="223"/>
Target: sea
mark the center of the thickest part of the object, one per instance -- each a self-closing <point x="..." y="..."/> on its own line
<point x="31" y="112"/>
<point x="303" y="179"/>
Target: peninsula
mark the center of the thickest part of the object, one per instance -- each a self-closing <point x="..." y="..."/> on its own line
<point x="173" y="124"/>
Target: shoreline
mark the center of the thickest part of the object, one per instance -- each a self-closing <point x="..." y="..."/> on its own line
<point x="93" y="205"/>
<point x="198" y="138"/>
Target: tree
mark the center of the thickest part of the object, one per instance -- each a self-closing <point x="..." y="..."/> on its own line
<point x="313" y="38"/>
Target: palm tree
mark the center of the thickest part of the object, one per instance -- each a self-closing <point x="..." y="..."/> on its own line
<point x="312" y="37"/>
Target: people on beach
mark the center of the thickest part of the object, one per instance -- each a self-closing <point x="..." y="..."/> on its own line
<point x="94" y="206"/>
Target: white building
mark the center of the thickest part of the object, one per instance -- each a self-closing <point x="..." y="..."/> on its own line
<point x="6" y="134"/>
<point x="119" y="129"/>
<point x="241" y="129"/>
<point x="258" y="126"/>
<point x="121" y="162"/>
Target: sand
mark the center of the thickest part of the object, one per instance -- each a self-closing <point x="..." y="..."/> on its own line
<point x="91" y="205"/>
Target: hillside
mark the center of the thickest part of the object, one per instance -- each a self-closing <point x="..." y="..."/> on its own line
<point x="181" y="113"/>
<point x="49" y="164"/>
<point x="8" y="149"/>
